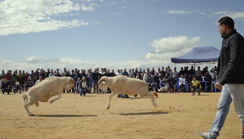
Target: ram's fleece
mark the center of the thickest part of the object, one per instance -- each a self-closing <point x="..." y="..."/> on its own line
<point x="125" y="85"/>
<point x="47" y="88"/>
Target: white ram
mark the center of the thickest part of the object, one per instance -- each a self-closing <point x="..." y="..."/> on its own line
<point x="44" y="90"/>
<point x="125" y="85"/>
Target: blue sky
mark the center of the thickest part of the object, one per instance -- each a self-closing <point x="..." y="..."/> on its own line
<point x="108" y="33"/>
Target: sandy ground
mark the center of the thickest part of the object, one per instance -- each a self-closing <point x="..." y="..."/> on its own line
<point x="178" y="116"/>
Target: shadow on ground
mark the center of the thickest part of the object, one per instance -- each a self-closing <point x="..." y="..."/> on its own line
<point x="143" y="113"/>
<point x="66" y="115"/>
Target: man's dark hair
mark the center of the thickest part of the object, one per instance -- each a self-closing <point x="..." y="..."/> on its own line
<point x="227" y="21"/>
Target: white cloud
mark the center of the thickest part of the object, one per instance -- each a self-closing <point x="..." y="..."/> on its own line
<point x="166" y="48"/>
<point x="178" y="12"/>
<point x="34" y="62"/>
<point x="173" y="44"/>
<point x="234" y="15"/>
<point x="25" y="16"/>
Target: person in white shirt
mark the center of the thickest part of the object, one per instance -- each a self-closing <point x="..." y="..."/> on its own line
<point x="38" y="81"/>
<point x="182" y="83"/>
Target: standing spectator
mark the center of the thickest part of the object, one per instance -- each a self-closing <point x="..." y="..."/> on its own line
<point x="125" y="73"/>
<point x="20" y="79"/>
<point x="130" y="74"/>
<point x="95" y="77"/>
<point x="8" y="75"/>
<point x="57" y="73"/>
<point x="159" y="70"/>
<point x="189" y="80"/>
<point x="48" y="72"/>
<point x="168" y="70"/>
<point x="152" y="71"/>
<point x="77" y="84"/>
<point x="83" y="73"/>
<point x="26" y="78"/>
<point x="13" y="82"/>
<point x="163" y="72"/>
<point x="192" y="71"/>
<point x="42" y="73"/>
<point x="65" y="72"/>
<point x="149" y="81"/>
<point x="33" y="77"/>
<point x="204" y="80"/>
<point x="51" y="73"/>
<point x="76" y="76"/>
<point x="72" y="74"/>
<point x="37" y="74"/>
<point x="208" y="78"/>
<point x="198" y="71"/>
<point x="181" y="72"/>
<point x="89" y="81"/>
<point x="3" y="74"/>
<point x="186" y="71"/>
<point x="175" y="72"/>
<point x="156" y="82"/>
<point x="112" y="74"/>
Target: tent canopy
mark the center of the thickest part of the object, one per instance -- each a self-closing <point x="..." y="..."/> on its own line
<point x="198" y="55"/>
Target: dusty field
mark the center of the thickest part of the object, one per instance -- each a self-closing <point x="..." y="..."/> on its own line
<point x="178" y="116"/>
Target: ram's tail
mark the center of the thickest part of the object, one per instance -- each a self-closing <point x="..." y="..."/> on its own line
<point x="25" y="97"/>
<point x="155" y="94"/>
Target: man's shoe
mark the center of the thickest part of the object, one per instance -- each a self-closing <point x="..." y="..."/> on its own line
<point x="207" y="136"/>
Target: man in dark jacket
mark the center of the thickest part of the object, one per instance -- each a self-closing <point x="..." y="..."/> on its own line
<point x="230" y="76"/>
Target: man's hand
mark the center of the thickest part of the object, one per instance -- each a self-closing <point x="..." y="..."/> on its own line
<point x="218" y="85"/>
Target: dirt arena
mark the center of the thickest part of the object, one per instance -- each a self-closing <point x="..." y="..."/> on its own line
<point x="178" y="116"/>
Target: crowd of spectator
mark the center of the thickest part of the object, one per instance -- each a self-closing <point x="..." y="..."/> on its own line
<point x="163" y="79"/>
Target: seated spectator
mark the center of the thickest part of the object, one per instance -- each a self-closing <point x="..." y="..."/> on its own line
<point x="83" y="88"/>
<point x="171" y="84"/>
<point x="182" y="83"/>
<point x="149" y="81"/>
<point x="163" y="85"/>
<point x="156" y="82"/>
<point x="39" y="80"/>
<point x="196" y="86"/>
<point x="6" y="86"/>
<point x="123" y="96"/>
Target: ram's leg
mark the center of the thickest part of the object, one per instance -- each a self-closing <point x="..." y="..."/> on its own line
<point x="53" y="100"/>
<point x="109" y="100"/>
<point x="27" y="109"/>
<point x="151" y="95"/>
